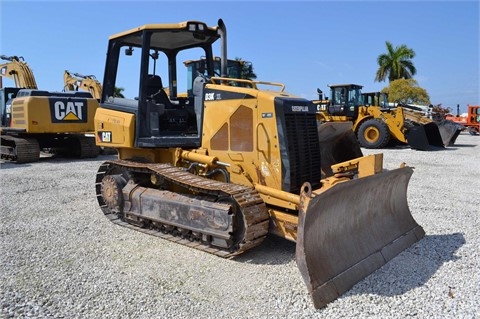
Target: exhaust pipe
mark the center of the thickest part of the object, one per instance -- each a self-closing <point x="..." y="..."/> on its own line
<point x="222" y="30"/>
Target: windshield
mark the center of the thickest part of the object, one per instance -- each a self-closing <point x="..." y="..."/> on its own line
<point x="352" y="96"/>
<point x="355" y="97"/>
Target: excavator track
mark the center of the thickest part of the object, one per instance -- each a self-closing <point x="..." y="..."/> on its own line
<point x="87" y="147"/>
<point x="251" y="206"/>
<point x="19" y="149"/>
<point x="76" y="146"/>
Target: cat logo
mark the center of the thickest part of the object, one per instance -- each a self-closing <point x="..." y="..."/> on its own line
<point x="68" y="110"/>
<point x="105" y="136"/>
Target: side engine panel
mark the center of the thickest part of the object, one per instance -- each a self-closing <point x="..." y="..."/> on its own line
<point x="114" y="128"/>
<point x="269" y="138"/>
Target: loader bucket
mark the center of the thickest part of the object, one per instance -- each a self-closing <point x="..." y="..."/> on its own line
<point x="421" y="137"/>
<point x="348" y="231"/>
<point x="433" y="134"/>
<point x="449" y="132"/>
<point x="338" y="143"/>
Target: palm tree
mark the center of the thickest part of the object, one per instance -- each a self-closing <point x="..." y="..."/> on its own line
<point x="247" y="69"/>
<point x="118" y="92"/>
<point x="396" y="63"/>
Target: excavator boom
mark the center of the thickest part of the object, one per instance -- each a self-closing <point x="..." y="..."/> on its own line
<point x="76" y="81"/>
<point x="19" y="71"/>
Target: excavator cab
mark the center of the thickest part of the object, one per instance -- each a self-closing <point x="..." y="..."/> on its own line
<point x="17" y="70"/>
<point x="6" y="94"/>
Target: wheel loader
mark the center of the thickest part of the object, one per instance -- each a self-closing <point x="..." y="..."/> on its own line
<point x="448" y="130"/>
<point x="421" y="114"/>
<point x="33" y="120"/>
<point x="226" y="165"/>
<point x="376" y="124"/>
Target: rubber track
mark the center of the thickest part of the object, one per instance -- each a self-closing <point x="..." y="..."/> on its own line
<point x="27" y="150"/>
<point x="255" y="213"/>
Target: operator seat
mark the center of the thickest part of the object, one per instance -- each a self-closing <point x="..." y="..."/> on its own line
<point x="154" y="89"/>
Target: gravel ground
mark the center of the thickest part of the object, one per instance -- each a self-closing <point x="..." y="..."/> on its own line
<point x="61" y="258"/>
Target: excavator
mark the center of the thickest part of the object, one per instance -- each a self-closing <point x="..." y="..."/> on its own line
<point x="33" y="120"/>
<point x="18" y="70"/>
<point x="376" y="124"/>
<point x="229" y="163"/>
<point x="76" y="81"/>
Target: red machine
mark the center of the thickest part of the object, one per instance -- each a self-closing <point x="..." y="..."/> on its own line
<point x="471" y="121"/>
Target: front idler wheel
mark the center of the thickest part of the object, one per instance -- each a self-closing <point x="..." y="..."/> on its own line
<point x="111" y="190"/>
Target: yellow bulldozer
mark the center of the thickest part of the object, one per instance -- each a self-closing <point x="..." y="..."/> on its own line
<point x="229" y="163"/>
<point x="33" y="120"/>
<point x="376" y="124"/>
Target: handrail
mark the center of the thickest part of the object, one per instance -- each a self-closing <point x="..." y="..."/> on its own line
<point x="252" y="84"/>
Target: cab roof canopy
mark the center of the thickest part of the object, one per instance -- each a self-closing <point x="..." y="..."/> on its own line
<point x="345" y="85"/>
<point x="198" y="33"/>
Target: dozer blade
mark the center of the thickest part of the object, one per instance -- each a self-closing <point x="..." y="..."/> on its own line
<point x="352" y="229"/>
<point x="421" y="137"/>
<point x="338" y="143"/>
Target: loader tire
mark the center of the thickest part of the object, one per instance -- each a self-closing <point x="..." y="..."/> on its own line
<point x="373" y="134"/>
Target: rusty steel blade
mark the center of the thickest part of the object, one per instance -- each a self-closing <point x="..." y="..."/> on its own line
<point x="352" y="229"/>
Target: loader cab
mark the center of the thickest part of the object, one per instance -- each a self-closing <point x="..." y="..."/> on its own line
<point x="196" y="67"/>
<point x="473" y="115"/>
<point x="142" y="76"/>
<point x="376" y="99"/>
<point x="345" y="100"/>
<point x="6" y="96"/>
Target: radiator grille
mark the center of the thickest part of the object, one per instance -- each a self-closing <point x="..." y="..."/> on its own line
<point x="303" y="150"/>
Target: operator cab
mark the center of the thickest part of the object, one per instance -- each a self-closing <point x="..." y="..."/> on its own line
<point x="199" y="67"/>
<point x="376" y="99"/>
<point x="6" y="97"/>
<point x="345" y="99"/>
<point x="143" y="73"/>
